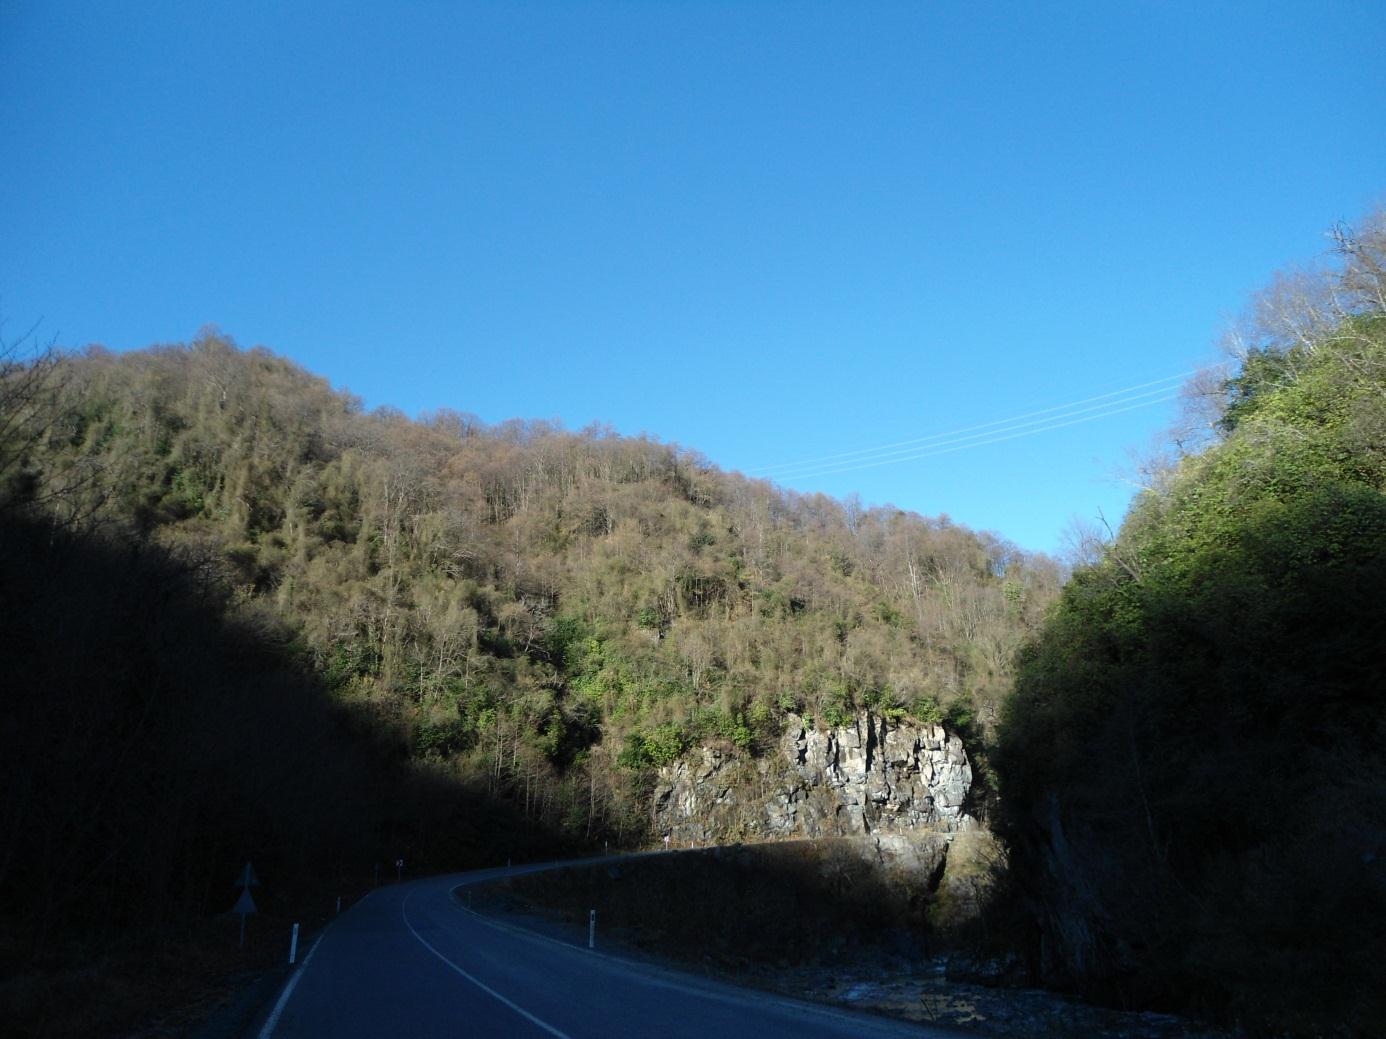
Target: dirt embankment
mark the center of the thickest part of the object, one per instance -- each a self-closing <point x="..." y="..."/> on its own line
<point x="793" y="903"/>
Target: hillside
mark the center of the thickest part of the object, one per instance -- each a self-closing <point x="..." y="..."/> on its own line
<point x="517" y="620"/>
<point x="1191" y="765"/>
<point x="521" y="601"/>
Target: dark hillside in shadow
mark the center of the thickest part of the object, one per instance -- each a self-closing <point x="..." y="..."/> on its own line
<point x="156" y="735"/>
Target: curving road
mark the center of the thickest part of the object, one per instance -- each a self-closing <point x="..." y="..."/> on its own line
<point x="411" y="960"/>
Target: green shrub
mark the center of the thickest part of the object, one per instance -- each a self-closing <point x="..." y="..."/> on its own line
<point x="927" y="710"/>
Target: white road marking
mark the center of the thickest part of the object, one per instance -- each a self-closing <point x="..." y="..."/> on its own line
<point x="268" y="1030"/>
<point x="478" y="983"/>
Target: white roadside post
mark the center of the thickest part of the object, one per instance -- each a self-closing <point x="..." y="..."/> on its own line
<point x="293" y="946"/>
<point x="339" y="903"/>
<point x="592" y="929"/>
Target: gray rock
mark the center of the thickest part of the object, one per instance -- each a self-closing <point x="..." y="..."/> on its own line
<point x="870" y="776"/>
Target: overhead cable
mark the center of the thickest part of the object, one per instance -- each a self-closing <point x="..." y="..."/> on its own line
<point x="937" y="449"/>
<point x="1057" y="411"/>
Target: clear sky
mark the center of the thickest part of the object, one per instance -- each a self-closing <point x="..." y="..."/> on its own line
<point x="771" y="232"/>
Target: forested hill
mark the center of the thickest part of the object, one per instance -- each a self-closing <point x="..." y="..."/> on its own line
<point x="548" y="613"/>
<point x="1192" y="772"/>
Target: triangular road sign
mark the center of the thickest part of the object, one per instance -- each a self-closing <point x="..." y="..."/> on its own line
<point x="248" y="876"/>
<point x="245" y="904"/>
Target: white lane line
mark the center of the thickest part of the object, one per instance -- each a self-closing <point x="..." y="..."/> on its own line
<point x="475" y="981"/>
<point x="268" y="1030"/>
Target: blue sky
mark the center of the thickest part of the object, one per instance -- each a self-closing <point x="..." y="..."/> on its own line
<point x="770" y="232"/>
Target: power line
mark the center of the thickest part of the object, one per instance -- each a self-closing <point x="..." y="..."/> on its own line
<point x="909" y="452"/>
<point x="825" y="459"/>
<point x="783" y="469"/>
<point x="930" y="452"/>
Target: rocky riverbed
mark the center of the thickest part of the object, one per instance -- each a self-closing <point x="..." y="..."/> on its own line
<point x="924" y="994"/>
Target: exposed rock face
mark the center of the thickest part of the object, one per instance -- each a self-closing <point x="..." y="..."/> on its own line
<point x="870" y="776"/>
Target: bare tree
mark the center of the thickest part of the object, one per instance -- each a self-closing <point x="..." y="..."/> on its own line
<point x="1362" y="287"/>
<point x="27" y="374"/>
<point x="1084" y="543"/>
<point x="34" y="390"/>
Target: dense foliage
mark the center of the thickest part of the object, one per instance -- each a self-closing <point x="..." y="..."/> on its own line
<point x="1191" y="763"/>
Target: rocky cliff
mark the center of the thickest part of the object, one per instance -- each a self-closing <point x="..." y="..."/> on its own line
<point x="870" y="776"/>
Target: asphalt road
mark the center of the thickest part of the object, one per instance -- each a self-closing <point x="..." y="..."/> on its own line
<point x="410" y="960"/>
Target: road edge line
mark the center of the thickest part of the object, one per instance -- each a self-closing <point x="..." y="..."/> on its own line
<point x="536" y="1021"/>
<point x="268" y="1030"/>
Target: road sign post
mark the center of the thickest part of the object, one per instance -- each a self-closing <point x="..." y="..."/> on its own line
<point x="245" y="905"/>
<point x="592" y="929"/>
